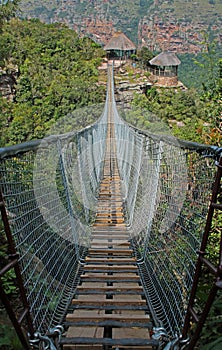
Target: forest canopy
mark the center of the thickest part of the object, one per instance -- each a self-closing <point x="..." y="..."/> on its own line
<point x="54" y="72"/>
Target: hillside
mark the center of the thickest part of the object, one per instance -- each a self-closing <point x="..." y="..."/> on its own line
<point x="47" y="73"/>
<point x="158" y="24"/>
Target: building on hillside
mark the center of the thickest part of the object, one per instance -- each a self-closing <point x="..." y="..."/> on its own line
<point x="119" y="47"/>
<point x="165" y="67"/>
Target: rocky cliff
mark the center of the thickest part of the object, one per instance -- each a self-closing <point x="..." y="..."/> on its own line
<point x="177" y="25"/>
<point x="7" y="84"/>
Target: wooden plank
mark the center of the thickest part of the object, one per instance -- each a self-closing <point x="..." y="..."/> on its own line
<point x="108" y="323"/>
<point x="111" y="308"/>
<point x="110" y="260"/>
<point x="106" y="317"/>
<point x="105" y="214"/>
<point x="127" y="268"/>
<point x="110" y="246"/>
<point x="99" y="230"/>
<point x="112" y="197"/>
<point x="114" y="240"/>
<point x="108" y="302"/>
<point x="125" y="293"/>
<point x="118" y="288"/>
<point x="108" y="205"/>
<point x="106" y="243"/>
<point x="109" y="184"/>
<point x="75" y="333"/>
<point x="109" y="230"/>
<point x="109" y="224"/>
<point x="110" y="211"/>
<point x="112" y="342"/>
<point x="108" y="219"/>
<point x="113" y="279"/>
<point x="114" y="203"/>
<point x="114" y="193"/>
<point x="117" y="251"/>
<point x="133" y="332"/>
<point x="111" y="235"/>
<point x="117" y="275"/>
<point x="110" y="271"/>
<point x="115" y="230"/>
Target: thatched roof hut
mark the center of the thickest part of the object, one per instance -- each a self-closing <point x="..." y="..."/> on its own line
<point x="165" y="59"/>
<point x="165" y="67"/>
<point x="120" y="46"/>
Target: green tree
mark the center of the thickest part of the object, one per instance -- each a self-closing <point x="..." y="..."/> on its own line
<point x="144" y="56"/>
<point x="57" y="73"/>
<point x="182" y="111"/>
<point x="208" y="64"/>
<point x="8" y="9"/>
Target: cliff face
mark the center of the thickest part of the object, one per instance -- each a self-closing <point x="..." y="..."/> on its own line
<point x="7" y="85"/>
<point x="176" y="25"/>
<point x="180" y="28"/>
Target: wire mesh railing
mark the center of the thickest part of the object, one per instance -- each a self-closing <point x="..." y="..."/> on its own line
<point x="45" y="185"/>
<point x="174" y="233"/>
<point x="169" y="188"/>
<point x="167" y="184"/>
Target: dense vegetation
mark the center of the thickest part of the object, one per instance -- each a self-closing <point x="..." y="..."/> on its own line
<point x="202" y="69"/>
<point x="187" y="115"/>
<point x="56" y="72"/>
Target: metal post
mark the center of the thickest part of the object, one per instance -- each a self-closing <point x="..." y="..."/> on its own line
<point x="12" y="316"/>
<point x="13" y="256"/>
<point x="201" y="320"/>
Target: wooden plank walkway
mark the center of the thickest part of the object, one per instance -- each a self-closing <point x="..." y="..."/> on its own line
<point x="109" y="309"/>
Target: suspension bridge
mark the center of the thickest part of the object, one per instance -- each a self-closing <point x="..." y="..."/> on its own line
<point x="108" y="230"/>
